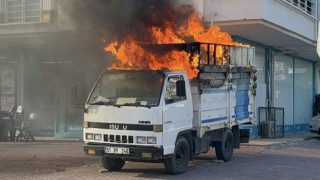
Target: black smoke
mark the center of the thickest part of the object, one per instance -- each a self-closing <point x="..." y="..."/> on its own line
<point x="120" y="17"/>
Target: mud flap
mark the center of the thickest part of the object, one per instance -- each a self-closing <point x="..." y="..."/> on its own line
<point x="236" y="135"/>
<point x="244" y="135"/>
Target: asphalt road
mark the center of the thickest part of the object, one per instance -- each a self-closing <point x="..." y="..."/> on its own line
<point x="299" y="159"/>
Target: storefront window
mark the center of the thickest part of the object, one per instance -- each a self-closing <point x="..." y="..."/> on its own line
<point x="7" y="89"/>
<point x="260" y="64"/>
<point x="261" y="88"/>
<point x="303" y="94"/>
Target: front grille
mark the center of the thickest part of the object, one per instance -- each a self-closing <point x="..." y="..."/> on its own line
<point x="117" y="138"/>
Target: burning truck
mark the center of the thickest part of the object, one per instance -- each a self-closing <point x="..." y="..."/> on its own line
<point x="162" y="115"/>
<point x="172" y="99"/>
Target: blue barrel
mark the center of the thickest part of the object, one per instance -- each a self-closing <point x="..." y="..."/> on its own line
<point x="241" y="116"/>
<point x="242" y="101"/>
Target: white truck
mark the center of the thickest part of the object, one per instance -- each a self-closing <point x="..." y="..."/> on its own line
<point x="162" y="116"/>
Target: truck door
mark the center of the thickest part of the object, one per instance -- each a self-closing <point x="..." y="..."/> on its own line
<point x="177" y="111"/>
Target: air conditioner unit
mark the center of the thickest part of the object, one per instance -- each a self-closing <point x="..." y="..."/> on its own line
<point x="267" y="129"/>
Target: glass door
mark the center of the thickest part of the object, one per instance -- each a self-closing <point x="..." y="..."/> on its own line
<point x="303" y="94"/>
<point x="283" y="89"/>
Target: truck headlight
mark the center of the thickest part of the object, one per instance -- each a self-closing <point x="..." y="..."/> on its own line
<point x="151" y="140"/>
<point x="141" y="140"/>
<point x="98" y="137"/>
<point x="89" y="136"/>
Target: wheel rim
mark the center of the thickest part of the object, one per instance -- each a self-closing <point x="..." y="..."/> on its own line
<point x="180" y="155"/>
<point x="227" y="144"/>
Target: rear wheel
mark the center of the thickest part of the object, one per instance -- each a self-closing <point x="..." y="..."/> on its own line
<point x="112" y="164"/>
<point x="224" y="148"/>
<point x="178" y="163"/>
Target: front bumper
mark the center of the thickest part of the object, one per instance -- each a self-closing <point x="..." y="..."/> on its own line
<point x="314" y="128"/>
<point x="137" y="153"/>
<point x="314" y="131"/>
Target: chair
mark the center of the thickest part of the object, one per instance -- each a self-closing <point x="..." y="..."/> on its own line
<point x="6" y="124"/>
<point x="24" y="132"/>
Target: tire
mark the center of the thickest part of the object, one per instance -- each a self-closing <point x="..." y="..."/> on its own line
<point x="178" y="163"/>
<point x="112" y="164"/>
<point x="224" y="148"/>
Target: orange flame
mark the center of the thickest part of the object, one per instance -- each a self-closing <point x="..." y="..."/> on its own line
<point x="131" y="55"/>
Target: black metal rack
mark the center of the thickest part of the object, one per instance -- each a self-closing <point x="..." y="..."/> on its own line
<point x="271" y="122"/>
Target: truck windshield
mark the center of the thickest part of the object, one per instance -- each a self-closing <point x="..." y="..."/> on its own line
<point x="128" y="88"/>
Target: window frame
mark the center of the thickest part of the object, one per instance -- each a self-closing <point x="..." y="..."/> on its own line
<point x="171" y="98"/>
<point x="23" y="16"/>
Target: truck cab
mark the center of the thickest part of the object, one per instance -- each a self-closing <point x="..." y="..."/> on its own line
<point x="136" y="114"/>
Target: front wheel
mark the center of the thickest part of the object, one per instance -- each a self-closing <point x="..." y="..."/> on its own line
<point x="178" y="163"/>
<point x="224" y="148"/>
<point x="112" y="164"/>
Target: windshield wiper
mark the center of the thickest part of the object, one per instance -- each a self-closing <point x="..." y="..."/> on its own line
<point x="100" y="100"/>
<point x="136" y="104"/>
<point x="103" y="103"/>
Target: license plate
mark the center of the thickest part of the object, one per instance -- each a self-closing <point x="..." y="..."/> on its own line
<point x="116" y="150"/>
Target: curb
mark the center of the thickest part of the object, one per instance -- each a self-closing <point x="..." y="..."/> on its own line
<point x="57" y="139"/>
<point x="267" y="142"/>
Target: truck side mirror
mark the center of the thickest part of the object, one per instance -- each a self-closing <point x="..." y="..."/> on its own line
<point x="181" y="88"/>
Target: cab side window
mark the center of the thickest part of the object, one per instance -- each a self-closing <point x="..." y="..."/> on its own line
<point x="175" y="89"/>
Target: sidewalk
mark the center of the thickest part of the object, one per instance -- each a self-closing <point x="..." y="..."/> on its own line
<point x="286" y="139"/>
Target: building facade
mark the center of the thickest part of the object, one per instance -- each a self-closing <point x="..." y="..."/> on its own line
<point x="51" y="52"/>
<point x="49" y="60"/>
<point x="285" y="35"/>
